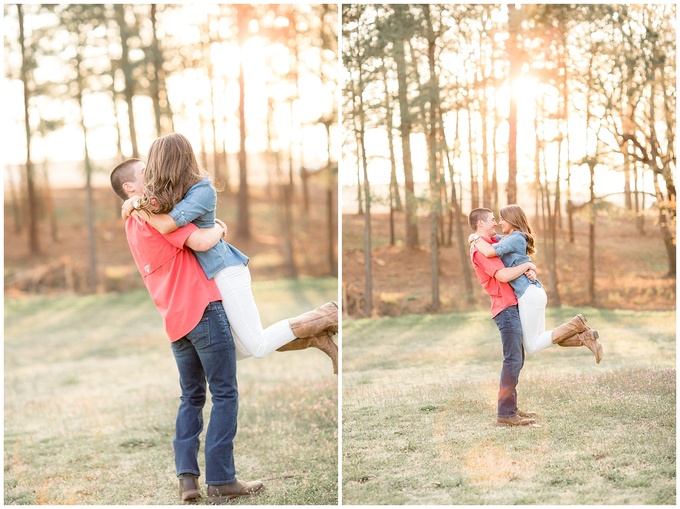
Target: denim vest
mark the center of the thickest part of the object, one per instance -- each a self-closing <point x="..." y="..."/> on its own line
<point x="198" y="207"/>
<point x="512" y="250"/>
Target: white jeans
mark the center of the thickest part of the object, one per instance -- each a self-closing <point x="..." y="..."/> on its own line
<point x="237" y="298"/>
<point x="532" y="315"/>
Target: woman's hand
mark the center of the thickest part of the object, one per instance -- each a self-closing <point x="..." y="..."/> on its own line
<point x="531" y="272"/>
<point x="128" y="206"/>
<point x="224" y="227"/>
<point x="141" y="216"/>
<point x="471" y="237"/>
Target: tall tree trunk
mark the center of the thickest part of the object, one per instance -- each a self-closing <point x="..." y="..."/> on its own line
<point x="201" y="131"/>
<point x="457" y="217"/>
<point x="283" y="203"/>
<point x="565" y="102"/>
<point x="295" y="64"/>
<point x="368" y="269"/>
<point x="548" y="211"/>
<point x="156" y="63"/>
<point x="119" y="135"/>
<point x="284" y="215"/>
<point x="162" y="109"/>
<point x="537" y="165"/>
<point x="515" y="64"/>
<point x="357" y="134"/>
<point x="551" y="247"/>
<point x="32" y="205"/>
<point x="486" y="182"/>
<point x="432" y="151"/>
<point x="126" y="67"/>
<point x="331" y="206"/>
<point x="639" y="210"/>
<point x="409" y="188"/>
<point x="395" y="198"/>
<point x="272" y="182"/>
<point x="474" y="180"/>
<point x="15" y="200"/>
<point x="49" y="203"/>
<point x="225" y="155"/>
<point x="665" y="224"/>
<point x="360" y="157"/>
<point x="92" y="240"/>
<point x="592" y="217"/>
<point x="563" y="121"/>
<point x="213" y="114"/>
<point x="290" y="189"/>
<point x="394" y="185"/>
<point x="331" y="215"/>
<point x="452" y="175"/>
<point x="627" y="194"/>
<point x="495" y="205"/>
<point x="243" y="198"/>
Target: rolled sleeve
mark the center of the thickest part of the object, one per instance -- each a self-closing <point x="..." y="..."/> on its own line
<point x="488" y="265"/>
<point x="180" y="236"/>
<point x="513" y="243"/>
<point x="199" y="200"/>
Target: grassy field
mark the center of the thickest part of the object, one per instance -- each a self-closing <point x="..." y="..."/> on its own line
<point x="419" y="406"/>
<point x="91" y="393"/>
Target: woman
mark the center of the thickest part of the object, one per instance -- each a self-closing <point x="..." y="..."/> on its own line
<point x="177" y="192"/>
<point x="515" y="247"/>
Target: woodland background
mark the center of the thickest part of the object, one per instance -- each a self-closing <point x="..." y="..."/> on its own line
<point x="570" y="112"/>
<point x="567" y="110"/>
<point x="86" y="86"/>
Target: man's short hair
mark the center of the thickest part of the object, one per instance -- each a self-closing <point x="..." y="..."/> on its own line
<point x="479" y="214"/>
<point x="121" y="174"/>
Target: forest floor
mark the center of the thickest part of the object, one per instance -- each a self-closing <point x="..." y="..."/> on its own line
<point x="630" y="268"/>
<point x="64" y="262"/>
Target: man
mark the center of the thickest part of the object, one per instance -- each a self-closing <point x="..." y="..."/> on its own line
<point x="494" y="277"/>
<point x="201" y="341"/>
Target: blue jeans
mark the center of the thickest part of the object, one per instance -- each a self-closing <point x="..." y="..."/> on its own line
<point x="207" y="354"/>
<point x="509" y="325"/>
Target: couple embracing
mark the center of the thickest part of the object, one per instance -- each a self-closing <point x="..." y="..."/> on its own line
<point x="505" y="271"/>
<point x="202" y="288"/>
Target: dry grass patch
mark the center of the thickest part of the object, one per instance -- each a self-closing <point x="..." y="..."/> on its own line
<point x="419" y="427"/>
<point x="91" y="395"/>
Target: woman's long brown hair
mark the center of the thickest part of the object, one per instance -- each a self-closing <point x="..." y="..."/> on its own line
<point x="515" y="216"/>
<point x="171" y="170"/>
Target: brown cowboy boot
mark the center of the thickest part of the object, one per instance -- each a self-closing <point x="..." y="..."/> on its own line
<point x="189" y="490"/>
<point x="574" y="326"/>
<point x="221" y="493"/>
<point x="588" y="339"/>
<point x="313" y="322"/>
<point x="323" y="341"/>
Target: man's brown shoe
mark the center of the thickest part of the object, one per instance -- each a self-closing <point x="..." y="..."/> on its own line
<point x="524" y="414"/>
<point x="515" y="420"/>
<point x="221" y="493"/>
<point x="188" y="488"/>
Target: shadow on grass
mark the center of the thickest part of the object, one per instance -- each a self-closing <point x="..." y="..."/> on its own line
<point x="91" y="396"/>
<point x="423" y="432"/>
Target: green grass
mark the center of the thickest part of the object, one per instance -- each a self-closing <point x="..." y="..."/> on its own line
<point x="419" y="405"/>
<point x="91" y="393"/>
